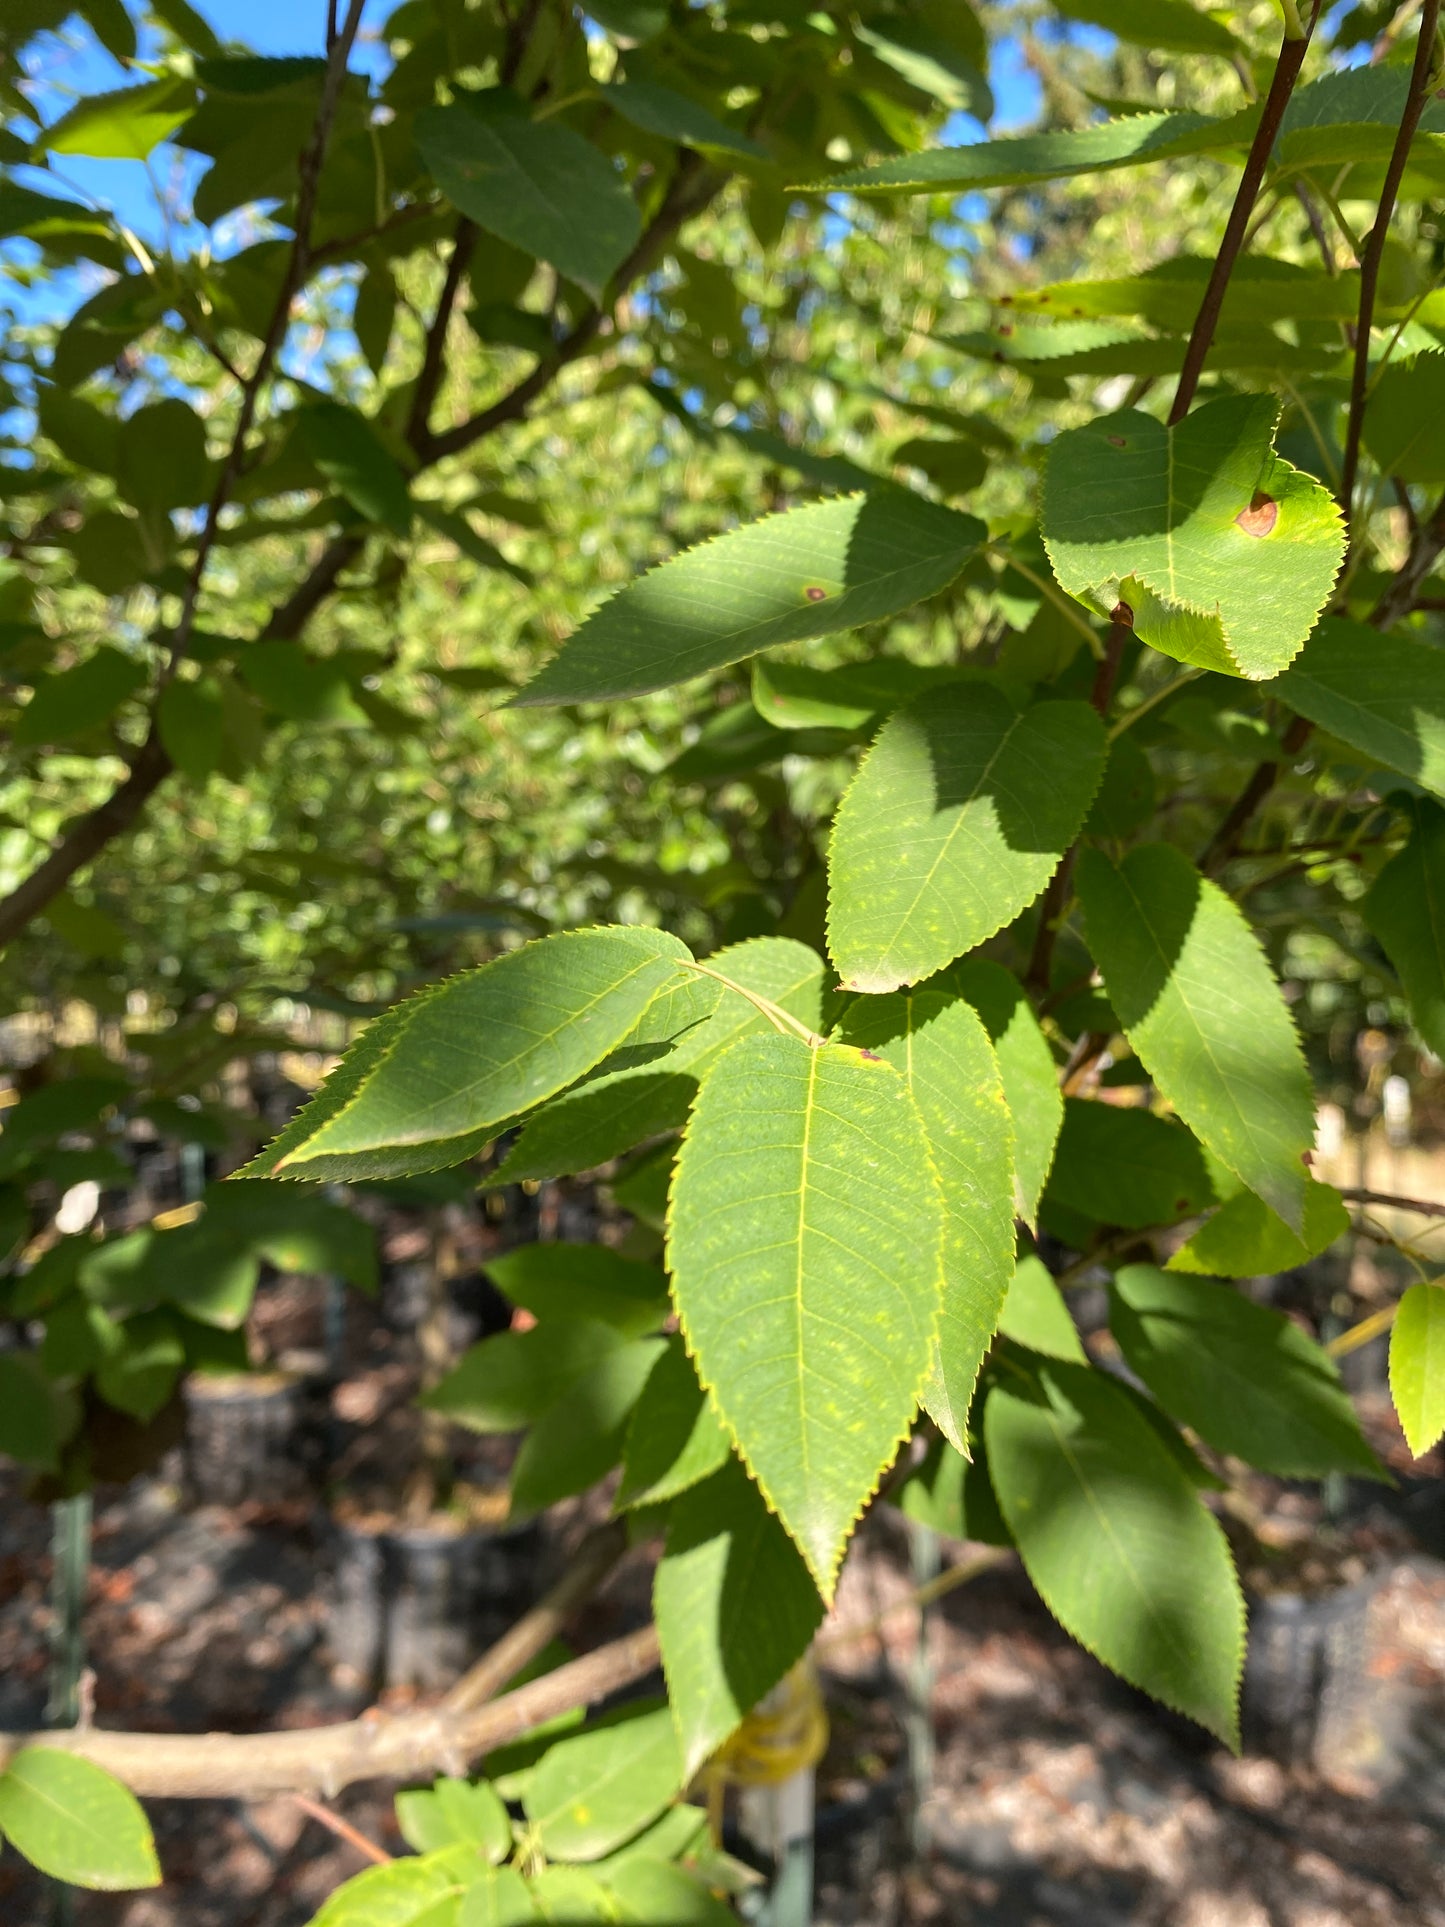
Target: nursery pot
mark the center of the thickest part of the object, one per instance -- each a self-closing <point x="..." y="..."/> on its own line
<point x="250" y="1438"/>
<point x="415" y="1604"/>
<point x="1306" y="1691"/>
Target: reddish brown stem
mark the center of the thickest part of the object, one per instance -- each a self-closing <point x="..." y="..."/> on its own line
<point x="1286" y="72"/>
<point x="1056" y="896"/>
<point x="1375" y="253"/>
<point x="343" y="1829"/>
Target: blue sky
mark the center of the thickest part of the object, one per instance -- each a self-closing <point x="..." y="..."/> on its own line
<point x="75" y="64"/>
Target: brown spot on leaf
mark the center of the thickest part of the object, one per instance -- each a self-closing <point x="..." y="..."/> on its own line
<point x="872" y="1056"/>
<point x="815" y="594"/>
<point x="1117" y="441"/>
<point x="1261" y="515"/>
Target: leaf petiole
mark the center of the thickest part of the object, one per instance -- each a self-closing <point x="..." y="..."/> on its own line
<point x="779" y="1018"/>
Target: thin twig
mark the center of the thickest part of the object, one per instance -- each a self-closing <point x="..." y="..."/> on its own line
<point x="1292" y="52"/>
<point x="1056" y="896"/>
<point x="434" y="358"/>
<point x="1374" y="256"/>
<point x="596" y="1557"/>
<point x="343" y="1829"/>
<point x="1387" y="1200"/>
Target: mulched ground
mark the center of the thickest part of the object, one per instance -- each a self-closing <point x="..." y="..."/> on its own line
<point x="1057" y="1797"/>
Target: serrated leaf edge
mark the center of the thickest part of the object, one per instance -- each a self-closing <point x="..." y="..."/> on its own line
<point x="826" y="1583"/>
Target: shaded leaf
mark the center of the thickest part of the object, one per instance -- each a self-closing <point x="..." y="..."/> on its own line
<point x="76" y="700"/>
<point x="735" y="1607"/>
<point x="1244" y="1238"/>
<point x="1244" y="1376"/>
<point x="1117" y="1164"/>
<point x="808" y="572"/>
<point x="1112" y="1533"/>
<point x="535" y="184"/>
<point x="675" y="1439"/>
<point x="957" y="818"/>
<point x="1026" y="1066"/>
<point x="578" y="1440"/>
<point x="1402" y="421"/>
<point x="1405" y="908"/>
<point x="942" y="1050"/>
<point x="1384" y="695"/>
<point x="583" y="1281"/>
<point x="454" y="1812"/>
<point x="1036" y="1314"/>
<point x="1201" y="1008"/>
<point x="1224" y="553"/>
<point x="357" y="464"/>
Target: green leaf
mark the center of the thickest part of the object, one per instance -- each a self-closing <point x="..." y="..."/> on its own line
<point x="1130" y="142"/>
<point x="75" y="1823"/>
<point x="637" y="20"/>
<point x="793" y="695"/>
<point x="499" y="1899"/>
<point x="509" y="1380"/>
<point x="478" y="1050"/>
<point x="1384" y="695"/>
<point x="1113" y="1535"/>
<point x="665" y="1895"/>
<point x="693" y="1024"/>
<point x="1244" y="1238"/>
<point x="354" y="460"/>
<point x="957" y="818"/>
<point x="299" y="686"/>
<point x="1172" y="26"/>
<point x="405" y="1893"/>
<point x="188" y="26"/>
<point x="942" y="1050"/>
<point x="570" y="1897"/>
<point x="1036" y="1314"/>
<point x="956" y="466"/>
<point x="579" y="1440"/>
<point x="675" y="1438"/>
<point x="1026" y="1066"/>
<point x="455" y="1812"/>
<point x="536" y="184"/>
<point x="789" y="578"/>
<point x="735" y="1608"/>
<point x="190" y="719"/>
<point x="1417" y="1366"/>
<point x="1224" y="553"/>
<point x="124" y="125"/>
<point x="927" y="61"/>
<point x="1116" y="1164"/>
<point x="1405" y="908"/>
<point x="583" y="1281"/>
<point x="660" y="110"/>
<point x="140" y="1375"/>
<point x="1408" y="399"/>
<point x="952" y="1495"/>
<point x="1245" y="1377"/>
<point x="805" y="1244"/>
<point x="1200" y="1006"/>
<point x="77" y="700"/>
<point x="33" y="1419"/>
<point x="161" y="460"/>
<point x="591" y="1792"/>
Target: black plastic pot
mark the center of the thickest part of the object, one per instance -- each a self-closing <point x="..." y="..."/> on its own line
<point x="414" y="1605"/>
<point x="1306" y="1689"/>
<point x="255" y="1439"/>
